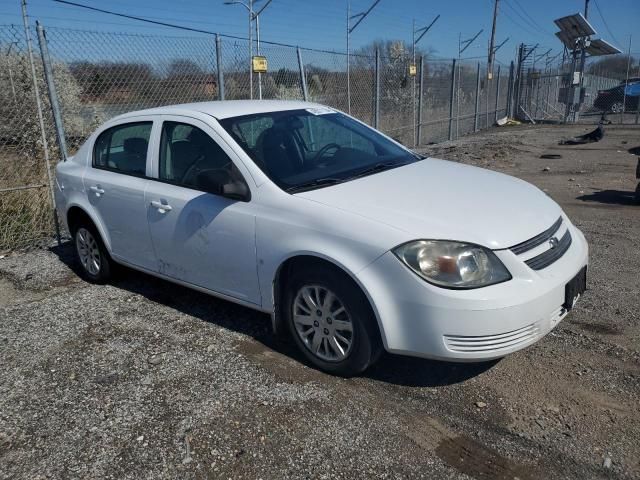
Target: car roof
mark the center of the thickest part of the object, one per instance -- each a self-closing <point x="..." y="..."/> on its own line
<point x="225" y="108"/>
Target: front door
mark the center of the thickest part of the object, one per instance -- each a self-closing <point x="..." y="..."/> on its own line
<point x="200" y="235"/>
<point x="115" y="183"/>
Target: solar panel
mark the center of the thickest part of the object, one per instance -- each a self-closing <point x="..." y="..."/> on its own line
<point x="601" y="47"/>
<point x="575" y="26"/>
<point x="566" y="40"/>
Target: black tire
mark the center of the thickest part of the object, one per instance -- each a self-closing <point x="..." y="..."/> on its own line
<point x="365" y="341"/>
<point x="88" y="231"/>
<point x="638" y="194"/>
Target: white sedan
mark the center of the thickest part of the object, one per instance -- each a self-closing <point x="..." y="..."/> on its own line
<point x="352" y="243"/>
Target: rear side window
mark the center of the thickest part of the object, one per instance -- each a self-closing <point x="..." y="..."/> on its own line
<point x="123" y="148"/>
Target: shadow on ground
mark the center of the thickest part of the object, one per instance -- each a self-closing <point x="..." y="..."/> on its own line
<point x="610" y="197"/>
<point x="390" y="368"/>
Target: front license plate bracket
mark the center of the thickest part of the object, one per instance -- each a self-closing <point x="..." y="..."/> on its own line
<point x="576" y="287"/>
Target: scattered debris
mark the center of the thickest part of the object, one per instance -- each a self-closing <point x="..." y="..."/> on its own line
<point x="551" y="156"/>
<point x="481" y="404"/>
<point x="607" y="462"/>
<point x="546" y="169"/>
<point x="593" y="136"/>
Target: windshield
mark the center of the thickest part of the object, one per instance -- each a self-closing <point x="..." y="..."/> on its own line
<point x="313" y="148"/>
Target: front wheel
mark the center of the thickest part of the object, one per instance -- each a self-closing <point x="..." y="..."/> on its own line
<point x="93" y="257"/>
<point x="331" y="321"/>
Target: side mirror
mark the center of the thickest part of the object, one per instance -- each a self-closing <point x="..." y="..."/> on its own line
<point x="237" y="190"/>
<point x="221" y="182"/>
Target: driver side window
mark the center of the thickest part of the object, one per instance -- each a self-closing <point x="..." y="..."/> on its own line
<point x="191" y="158"/>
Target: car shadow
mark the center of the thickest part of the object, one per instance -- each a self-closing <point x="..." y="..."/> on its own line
<point x="610" y="197"/>
<point x="393" y="369"/>
<point x="419" y="372"/>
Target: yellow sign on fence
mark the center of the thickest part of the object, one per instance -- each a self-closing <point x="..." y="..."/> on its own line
<point x="259" y="64"/>
<point x="413" y="70"/>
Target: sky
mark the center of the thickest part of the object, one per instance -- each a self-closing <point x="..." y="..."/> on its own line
<point x="322" y="23"/>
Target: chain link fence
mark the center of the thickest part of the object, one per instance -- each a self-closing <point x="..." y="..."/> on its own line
<point x="98" y="75"/>
<point x="610" y="91"/>
<point x="26" y="215"/>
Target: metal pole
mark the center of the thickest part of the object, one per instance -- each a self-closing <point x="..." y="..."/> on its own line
<point x="348" y="66"/>
<point x="43" y="132"/>
<point x="413" y="82"/>
<point x="509" y="91"/>
<point x="303" y="79"/>
<point x="495" y="113"/>
<point x="376" y="110"/>
<point x="626" y="82"/>
<point x="258" y="49"/>
<point x="250" y="50"/>
<point x="420" y="94"/>
<point x="53" y="96"/>
<point x="452" y="91"/>
<point x="477" y="110"/>
<point x="486" y="98"/>
<point x="13" y="87"/>
<point x="492" y="50"/>
<point x="220" y="68"/>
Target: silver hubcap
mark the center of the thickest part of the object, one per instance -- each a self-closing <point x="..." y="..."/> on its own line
<point x="88" y="251"/>
<point x="616" y="107"/>
<point x="323" y="323"/>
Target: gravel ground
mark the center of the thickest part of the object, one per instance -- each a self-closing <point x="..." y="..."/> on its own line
<point x="145" y="379"/>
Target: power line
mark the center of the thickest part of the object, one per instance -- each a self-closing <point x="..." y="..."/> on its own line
<point x="532" y="20"/>
<point x="132" y="17"/>
<point x="605" y="22"/>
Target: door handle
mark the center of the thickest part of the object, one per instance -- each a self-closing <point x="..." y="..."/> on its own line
<point x="97" y="189"/>
<point x="162" y="207"/>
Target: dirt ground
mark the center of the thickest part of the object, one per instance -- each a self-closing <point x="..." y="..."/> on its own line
<point x="144" y="379"/>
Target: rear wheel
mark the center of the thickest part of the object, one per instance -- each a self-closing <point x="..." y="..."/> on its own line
<point x="331" y="321"/>
<point x="617" y="107"/>
<point x="95" y="262"/>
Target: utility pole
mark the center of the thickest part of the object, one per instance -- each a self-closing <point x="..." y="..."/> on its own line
<point x="359" y="16"/>
<point x="492" y="52"/>
<point x="414" y="41"/>
<point x="252" y="16"/>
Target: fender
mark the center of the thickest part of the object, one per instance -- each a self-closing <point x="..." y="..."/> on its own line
<point x="270" y="304"/>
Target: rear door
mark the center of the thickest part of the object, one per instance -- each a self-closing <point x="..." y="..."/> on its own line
<point x="115" y="182"/>
<point x="200" y="235"/>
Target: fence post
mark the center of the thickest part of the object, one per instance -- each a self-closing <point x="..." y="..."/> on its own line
<point x="303" y="79"/>
<point x="420" y="94"/>
<point x="452" y="92"/>
<point x="495" y="113"/>
<point x="45" y="145"/>
<point x="51" y="89"/>
<point x="510" y="91"/>
<point x="219" y="67"/>
<point x="376" y="108"/>
<point x="475" y="116"/>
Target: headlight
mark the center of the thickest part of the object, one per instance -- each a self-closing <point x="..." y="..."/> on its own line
<point x="453" y="264"/>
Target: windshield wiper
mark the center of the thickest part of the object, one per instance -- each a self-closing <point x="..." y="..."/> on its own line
<point x="317" y="183"/>
<point x="378" y="167"/>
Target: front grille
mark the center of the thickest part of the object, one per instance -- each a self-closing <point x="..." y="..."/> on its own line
<point x="547" y="258"/>
<point x="491" y="343"/>
<point x="537" y="240"/>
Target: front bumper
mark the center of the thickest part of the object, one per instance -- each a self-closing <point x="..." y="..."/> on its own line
<point x="420" y="319"/>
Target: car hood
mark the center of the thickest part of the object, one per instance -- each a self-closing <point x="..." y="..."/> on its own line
<point x="439" y="199"/>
